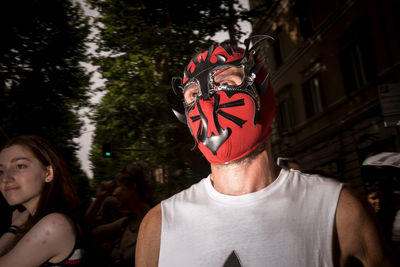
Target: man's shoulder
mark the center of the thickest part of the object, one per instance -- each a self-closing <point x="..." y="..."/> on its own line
<point x="352" y="210"/>
<point x="357" y="231"/>
<point x="150" y="227"/>
<point x="148" y="242"/>
<point x="313" y="178"/>
<point x="187" y="193"/>
<point x="309" y="181"/>
<point x="152" y="218"/>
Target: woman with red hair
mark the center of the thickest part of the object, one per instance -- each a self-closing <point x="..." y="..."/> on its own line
<point x="35" y="178"/>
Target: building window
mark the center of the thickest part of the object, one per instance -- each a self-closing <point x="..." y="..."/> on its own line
<point x="356" y="57"/>
<point x="357" y="65"/>
<point x="313" y="96"/>
<point x="302" y="10"/>
<point x="284" y="117"/>
<point x="277" y="53"/>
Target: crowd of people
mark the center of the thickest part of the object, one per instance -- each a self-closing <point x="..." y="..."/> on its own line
<point x="248" y="212"/>
<point x="115" y="215"/>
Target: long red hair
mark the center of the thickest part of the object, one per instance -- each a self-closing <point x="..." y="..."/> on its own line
<point x="60" y="194"/>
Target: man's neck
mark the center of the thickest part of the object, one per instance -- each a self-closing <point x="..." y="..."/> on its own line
<point x="247" y="176"/>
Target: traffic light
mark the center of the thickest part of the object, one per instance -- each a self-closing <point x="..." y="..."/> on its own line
<point x="107" y="150"/>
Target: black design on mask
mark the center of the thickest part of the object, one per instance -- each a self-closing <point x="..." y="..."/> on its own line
<point x="238" y="121"/>
<point x="195" y="118"/>
<point x="214" y="142"/>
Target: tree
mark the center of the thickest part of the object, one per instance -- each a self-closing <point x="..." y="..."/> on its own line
<point x="142" y="45"/>
<point x="42" y="81"/>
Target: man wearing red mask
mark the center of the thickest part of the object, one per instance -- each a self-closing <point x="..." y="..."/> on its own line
<point x="248" y="212"/>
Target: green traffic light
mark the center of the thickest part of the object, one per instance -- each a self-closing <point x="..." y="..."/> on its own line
<point x="106" y="149"/>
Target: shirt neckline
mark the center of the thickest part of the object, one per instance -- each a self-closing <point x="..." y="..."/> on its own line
<point x="246" y="198"/>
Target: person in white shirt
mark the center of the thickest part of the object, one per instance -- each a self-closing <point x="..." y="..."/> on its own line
<point x="248" y="211"/>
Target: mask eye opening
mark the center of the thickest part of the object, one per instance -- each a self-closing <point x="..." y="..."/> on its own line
<point x="228" y="76"/>
<point x="191" y="92"/>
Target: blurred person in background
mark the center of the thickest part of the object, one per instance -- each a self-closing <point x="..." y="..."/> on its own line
<point x="374" y="198"/>
<point x="94" y="212"/>
<point x="116" y="240"/>
<point x="395" y="235"/>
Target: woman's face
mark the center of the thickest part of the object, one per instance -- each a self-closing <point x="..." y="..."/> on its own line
<point x="22" y="177"/>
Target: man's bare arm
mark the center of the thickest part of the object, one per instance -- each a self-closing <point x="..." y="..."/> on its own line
<point x="357" y="233"/>
<point x="148" y="243"/>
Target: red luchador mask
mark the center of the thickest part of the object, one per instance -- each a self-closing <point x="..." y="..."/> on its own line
<point x="228" y="100"/>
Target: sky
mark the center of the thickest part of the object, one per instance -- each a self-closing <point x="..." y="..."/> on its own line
<point x="85" y="140"/>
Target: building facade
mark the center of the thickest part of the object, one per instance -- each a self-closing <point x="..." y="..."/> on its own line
<point x="329" y="63"/>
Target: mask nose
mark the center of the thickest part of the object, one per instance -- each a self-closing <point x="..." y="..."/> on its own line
<point x="205" y="94"/>
<point x="210" y="132"/>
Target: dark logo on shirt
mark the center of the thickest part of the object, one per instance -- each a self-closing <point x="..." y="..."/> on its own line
<point x="232" y="261"/>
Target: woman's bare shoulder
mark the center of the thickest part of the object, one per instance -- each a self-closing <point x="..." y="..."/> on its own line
<point x="52" y="237"/>
<point x="55" y="225"/>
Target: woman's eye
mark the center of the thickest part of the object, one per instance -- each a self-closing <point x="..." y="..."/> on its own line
<point x="21" y="166"/>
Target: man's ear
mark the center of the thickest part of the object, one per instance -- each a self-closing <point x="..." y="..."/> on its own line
<point x="49" y="174"/>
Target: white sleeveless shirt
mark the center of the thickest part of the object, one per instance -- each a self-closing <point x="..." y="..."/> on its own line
<point x="288" y="223"/>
